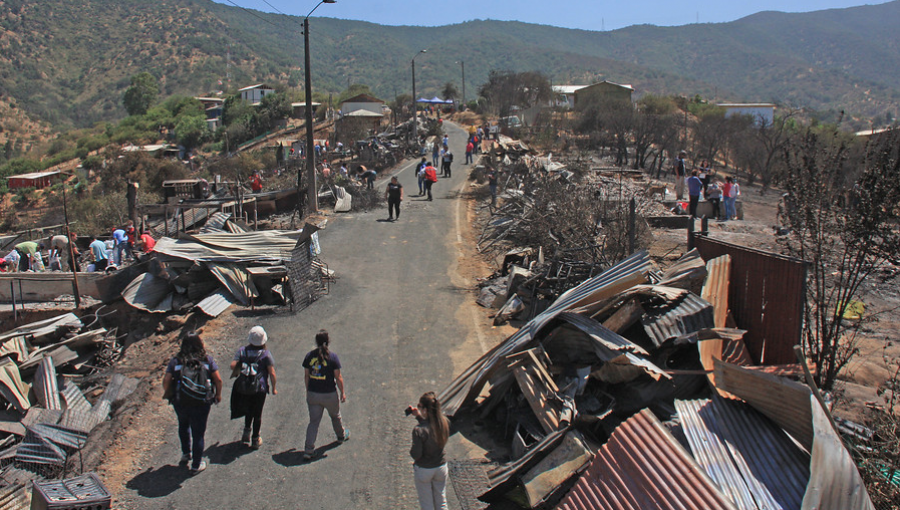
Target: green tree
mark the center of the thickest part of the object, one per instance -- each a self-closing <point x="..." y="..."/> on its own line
<point x="191" y="131"/>
<point x="450" y="91"/>
<point x="141" y="94"/>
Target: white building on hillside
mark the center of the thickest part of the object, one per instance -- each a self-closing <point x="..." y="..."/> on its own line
<point x="254" y="93"/>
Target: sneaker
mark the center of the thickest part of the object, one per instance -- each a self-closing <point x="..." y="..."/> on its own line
<point x="184" y="459"/>
<point x="346" y="436"/>
<point x="201" y="467"/>
<point x="256" y="443"/>
<point x="245" y="438"/>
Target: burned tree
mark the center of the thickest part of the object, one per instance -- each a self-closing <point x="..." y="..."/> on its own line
<point x="845" y="227"/>
<point x="505" y="89"/>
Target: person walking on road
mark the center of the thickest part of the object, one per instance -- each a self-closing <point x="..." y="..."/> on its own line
<point x="254" y="367"/>
<point x="446" y="161"/>
<point x="435" y="153"/>
<point x="428" y="440"/>
<point x="323" y="382"/>
<point x="192" y="383"/>
<point x="470" y="148"/>
<point x="430" y="178"/>
<point x="420" y="174"/>
<point x="394" y="195"/>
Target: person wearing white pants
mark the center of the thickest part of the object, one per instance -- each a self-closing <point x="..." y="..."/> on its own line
<point x="428" y="441"/>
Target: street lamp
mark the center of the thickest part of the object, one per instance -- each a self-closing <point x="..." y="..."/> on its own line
<point x="462" y="64"/>
<point x="312" y="192"/>
<point x="415" y="106"/>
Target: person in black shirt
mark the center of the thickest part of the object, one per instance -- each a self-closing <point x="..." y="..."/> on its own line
<point x="394" y="195"/>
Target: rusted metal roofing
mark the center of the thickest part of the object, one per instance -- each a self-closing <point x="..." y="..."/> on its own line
<point x="149" y="293"/>
<point x="750" y="458"/>
<point x="689" y="269"/>
<point x="74" y="399"/>
<point x="271" y="246"/>
<point x="643" y="466"/>
<point x="237" y="280"/>
<point x="834" y="481"/>
<point x="624" y="275"/>
<point x="667" y="321"/>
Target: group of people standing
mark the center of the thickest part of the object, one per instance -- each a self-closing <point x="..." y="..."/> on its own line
<point x="702" y="182"/>
<point x="193" y="384"/>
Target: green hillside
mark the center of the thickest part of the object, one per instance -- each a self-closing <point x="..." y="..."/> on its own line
<point x="69" y="63"/>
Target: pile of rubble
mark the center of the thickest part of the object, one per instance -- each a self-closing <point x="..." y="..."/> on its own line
<point x="634" y="390"/>
<point x="215" y="268"/>
<point x="46" y="370"/>
<point x="571" y="205"/>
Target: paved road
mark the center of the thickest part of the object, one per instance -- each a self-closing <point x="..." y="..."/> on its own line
<point x="392" y="317"/>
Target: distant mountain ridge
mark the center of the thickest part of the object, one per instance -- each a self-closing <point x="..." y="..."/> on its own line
<point x="69" y="63"/>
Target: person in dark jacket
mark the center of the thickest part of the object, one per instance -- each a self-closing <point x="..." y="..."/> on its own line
<point x="428" y="441"/>
<point x="250" y="360"/>
<point x="192" y="414"/>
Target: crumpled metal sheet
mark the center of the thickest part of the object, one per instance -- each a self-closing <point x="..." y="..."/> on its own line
<point x="12" y="388"/>
<point x="149" y="293"/>
<point x="44" y="327"/>
<point x="688" y="272"/>
<point x="45" y="385"/>
<point x="46" y="444"/>
<point x="237" y="280"/>
<point x="643" y="466"/>
<point x="216" y="223"/>
<point x="74" y="399"/>
<point x="668" y="321"/>
<point x="624" y="275"/>
<point x="264" y="247"/>
<point x="216" y="303"/>
<point x="752" y="460"/>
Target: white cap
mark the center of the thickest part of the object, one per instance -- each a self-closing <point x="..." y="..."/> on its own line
<point x="257" y="336"/>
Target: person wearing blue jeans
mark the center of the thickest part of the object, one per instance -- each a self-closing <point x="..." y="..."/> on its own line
<point x="192" y="413"/>
<point x="121" y="241"/>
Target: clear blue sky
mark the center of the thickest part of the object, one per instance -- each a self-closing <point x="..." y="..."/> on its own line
<point x="583" y="14"/>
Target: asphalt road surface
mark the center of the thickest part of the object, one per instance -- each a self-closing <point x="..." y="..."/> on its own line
<point x="393" y="320"/>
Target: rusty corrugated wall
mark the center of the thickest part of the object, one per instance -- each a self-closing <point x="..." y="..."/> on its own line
<point x="766" y="296"/>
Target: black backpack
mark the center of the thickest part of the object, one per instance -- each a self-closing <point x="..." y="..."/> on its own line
<point x="194" y="386"/>
<point x="250" y="381"/>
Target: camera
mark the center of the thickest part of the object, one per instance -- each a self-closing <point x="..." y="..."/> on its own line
<point x="408" y="411"/>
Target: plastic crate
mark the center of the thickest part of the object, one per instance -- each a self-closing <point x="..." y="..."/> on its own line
<point x="85" y="492"/>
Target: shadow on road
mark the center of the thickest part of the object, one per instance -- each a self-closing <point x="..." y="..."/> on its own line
<point x="227" y="453"/>
<point x="294" y="457"/>
<point x="160" y="482"/>
<point x="259" y="312"/>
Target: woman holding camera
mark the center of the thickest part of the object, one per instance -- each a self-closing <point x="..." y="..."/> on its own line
<point x="428" y="441"/>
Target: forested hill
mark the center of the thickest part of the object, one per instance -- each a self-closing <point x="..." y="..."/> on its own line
<point x="69" y="62"/>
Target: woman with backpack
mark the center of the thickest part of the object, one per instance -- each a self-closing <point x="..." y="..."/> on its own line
<point x="254" y="367"/>
<point x="192" y="383"/>
<point x="428" y="441"/>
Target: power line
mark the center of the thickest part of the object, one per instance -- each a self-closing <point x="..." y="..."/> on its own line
<point x="248" y="11"/>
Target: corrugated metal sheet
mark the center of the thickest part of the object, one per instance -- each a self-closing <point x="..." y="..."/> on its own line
<point x="216" y="223"/>
<point x="74" y="399"/>
<point x="766" y="295"/>
<point x="834" y="482"/>
<point x="216" y="303"/>
<point x="686" y="273"/>
<point x="237" y="280"/>
<point x="669" y="320"/>
<point x="750" y="458"/>
<point x="45" y="385"/>
<point x="12" y="388"/>
<point x="44" y="327"/>
<point x="643" y="466"/>
<point x="503" y="478"/>
<point x="149" y="293"/>
<point x="46" y="444"/>
<point x="271" y="246"/>
<point x="624" y="275"/>
<point x="784" y="401"/>
<point x="118" y="388"/>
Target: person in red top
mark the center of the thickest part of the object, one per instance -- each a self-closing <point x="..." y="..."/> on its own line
<point x="430" y="178"/>
<point x="470" y="147"/>
<point x="255" y="182"/>
<point x="147" y="241"/>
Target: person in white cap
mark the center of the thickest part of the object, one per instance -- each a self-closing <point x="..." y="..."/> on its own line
<point x="254" y="367"/>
